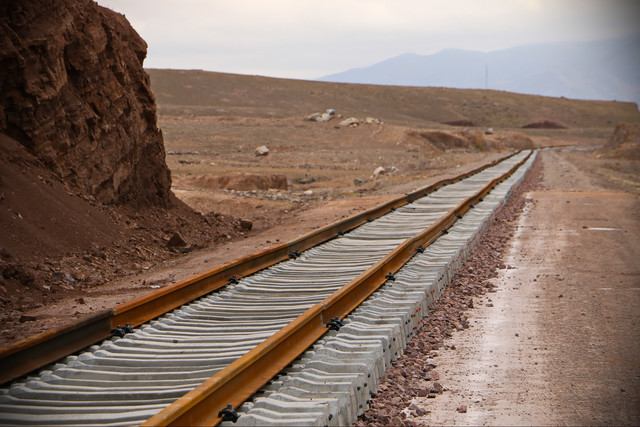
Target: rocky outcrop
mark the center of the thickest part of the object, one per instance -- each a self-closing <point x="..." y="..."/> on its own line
<point x="351" y="121"/>
<point x="74" y="93"/>
<point x="322" y="117"/>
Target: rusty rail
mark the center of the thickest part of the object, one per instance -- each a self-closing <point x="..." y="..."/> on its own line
<point x="246" y="375"/>
<point x="35" y="352"/>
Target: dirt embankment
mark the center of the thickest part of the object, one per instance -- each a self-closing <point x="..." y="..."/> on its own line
<point x="624" y="143"/>
<point x="544" y="124"/>
<point x="242" y="182"/>
<point x="203" y="93"/>
<point x="474" y="140"/>
<point x="84" y="187"/>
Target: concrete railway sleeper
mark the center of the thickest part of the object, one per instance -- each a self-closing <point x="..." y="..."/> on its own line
<point x="177" y="368"/>
<point x="31" y="354"/>
<point x="345" y="360"/>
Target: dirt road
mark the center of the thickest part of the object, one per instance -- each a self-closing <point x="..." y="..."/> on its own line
<point x="559" y="342"/>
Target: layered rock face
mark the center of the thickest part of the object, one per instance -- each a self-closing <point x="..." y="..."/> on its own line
<point x="74" y="93"/>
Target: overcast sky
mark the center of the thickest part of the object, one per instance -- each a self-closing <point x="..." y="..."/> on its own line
<point x="309" y="39"/>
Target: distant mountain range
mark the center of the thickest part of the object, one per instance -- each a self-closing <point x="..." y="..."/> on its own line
<point x="599" y="70"/>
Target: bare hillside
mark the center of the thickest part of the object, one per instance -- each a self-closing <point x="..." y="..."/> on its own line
<point x="213" y="123"/>
<point x="214" y="94"/>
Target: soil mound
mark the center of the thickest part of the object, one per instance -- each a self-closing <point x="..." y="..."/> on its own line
<point x="75" y="95"/>
<point x="242" y="182"/>
<point x="54" y="243"/>
<point x="444" y="140"/>
<point x="462" y="123"/>
<point x="38" y="216"/>
<point x="545" y="124"/>
<point x="624" y="142"/>
<point x="508" y="140"/>
<point x="473" y="140"/>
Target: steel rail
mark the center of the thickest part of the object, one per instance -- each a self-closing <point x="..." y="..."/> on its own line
<point x="332" y="381"/>
<point x="247" y="374"/>
<point x="33" y="353"/>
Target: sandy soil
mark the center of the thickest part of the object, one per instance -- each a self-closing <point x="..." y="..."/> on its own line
<point x="556" y="342"/>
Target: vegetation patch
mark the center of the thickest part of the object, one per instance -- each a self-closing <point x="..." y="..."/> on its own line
<point x="545" y="124"/>
<point x="463" y="123"/>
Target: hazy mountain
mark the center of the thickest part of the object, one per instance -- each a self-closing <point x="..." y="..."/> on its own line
<point x="603" y="70"/>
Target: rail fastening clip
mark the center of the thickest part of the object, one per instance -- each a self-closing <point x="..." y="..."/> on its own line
<point x="120" y="331"/>
<point x="228" y="414"/>
<point x="335" y="324"/>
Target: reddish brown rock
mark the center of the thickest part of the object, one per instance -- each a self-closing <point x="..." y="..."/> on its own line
<point x="84" y="187"/>
<point x="176" y="241"/>
<point x="74" y="93"/>
<point x="245" y="224"/>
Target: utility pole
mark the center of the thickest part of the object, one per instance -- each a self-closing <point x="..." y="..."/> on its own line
<point x="486" y="76"/>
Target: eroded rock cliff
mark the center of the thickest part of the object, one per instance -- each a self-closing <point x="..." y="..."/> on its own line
<point x="74" y="93"/>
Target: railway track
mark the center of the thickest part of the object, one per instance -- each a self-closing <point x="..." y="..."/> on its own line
<point x="248" y="320"/>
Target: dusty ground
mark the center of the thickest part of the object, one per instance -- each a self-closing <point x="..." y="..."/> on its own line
<point x="557" y="341"/>
<point x="319" y="161"/>
<point x="584" y="205"/>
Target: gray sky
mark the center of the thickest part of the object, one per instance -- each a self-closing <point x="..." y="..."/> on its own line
<point x="309" y="39"/>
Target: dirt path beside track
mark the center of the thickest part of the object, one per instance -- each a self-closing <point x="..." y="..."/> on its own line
<point x="560" y="344"/>
<point x="557" y="342"/>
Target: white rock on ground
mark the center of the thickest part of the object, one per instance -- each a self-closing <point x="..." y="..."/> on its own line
<point x="262" y="150"/>
<point x="379" y="172"/>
